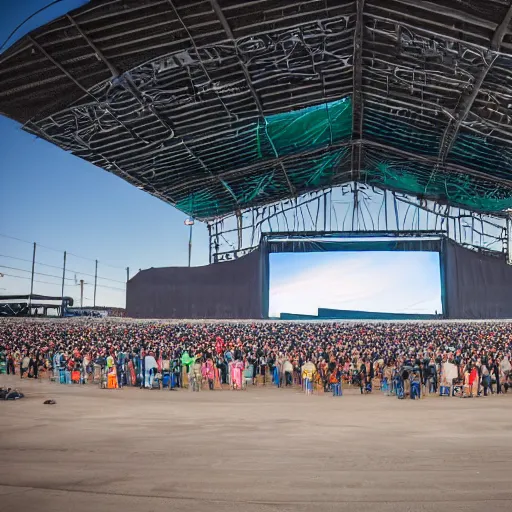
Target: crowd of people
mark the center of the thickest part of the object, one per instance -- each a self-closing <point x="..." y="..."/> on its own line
<point x="208" y="355"/>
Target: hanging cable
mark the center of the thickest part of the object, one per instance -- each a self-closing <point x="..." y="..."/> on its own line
<point x="35" y="280"/>
<point x="60" y="251"/>
<point x="57" y="277"/>
<point x="27" y="19"/>
<point x="60" y="268"/>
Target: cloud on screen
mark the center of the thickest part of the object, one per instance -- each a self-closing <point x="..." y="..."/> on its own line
<point x="391" y="282"/>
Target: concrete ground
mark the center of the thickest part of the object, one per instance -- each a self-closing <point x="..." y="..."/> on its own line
<point x="260" y="450"/>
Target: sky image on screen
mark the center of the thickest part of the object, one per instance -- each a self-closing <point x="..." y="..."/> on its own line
<point x="380" y="281"/>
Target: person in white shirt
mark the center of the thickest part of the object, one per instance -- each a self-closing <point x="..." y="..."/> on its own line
<point x="150" y="370"/>
<point x="25" y="363"/>
<point x="288" y="372"/>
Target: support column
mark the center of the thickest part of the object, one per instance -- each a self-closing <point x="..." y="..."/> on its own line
<point x="325" y="211"/>
<point x="210" y="244"/>
<point x="190" y="245"/>
<point x="386" y="209"/>
<point x="509" y="239"/>
<point x="239" y="227"/>
<point x="356" y="206"/>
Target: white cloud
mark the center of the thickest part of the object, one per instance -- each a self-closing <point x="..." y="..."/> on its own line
<point x="368" y="281"/>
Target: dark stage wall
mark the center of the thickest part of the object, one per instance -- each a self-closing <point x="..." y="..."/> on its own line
<point x="477" y="285"/>
<point x="224" y="290"/>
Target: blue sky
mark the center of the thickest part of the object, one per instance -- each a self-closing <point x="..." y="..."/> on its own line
<point x="62" y="202"/>
<point x="392" y="282"/>
<point x="22" y="17"/>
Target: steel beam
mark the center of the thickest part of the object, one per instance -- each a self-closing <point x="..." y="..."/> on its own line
<point x="130" y="86"/>
<point x="267" y="164"/>
<point x="63" y="70"/>
<point x="136" y="93"/>
<point x="225" y="25"/>
<point x="112" y="68"/>
<point x="357" y="93"/>
<point x="191" y="153"/>
<point x="464" y="106"/>
<point x="453" y="13"/>
<point x="433" y="161"/>
<point x="365" y="143"/>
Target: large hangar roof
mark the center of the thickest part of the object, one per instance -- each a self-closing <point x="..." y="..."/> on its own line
<point x="219" y="105"/>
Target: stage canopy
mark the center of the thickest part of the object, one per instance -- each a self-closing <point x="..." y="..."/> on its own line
<point x="219" y="105"/>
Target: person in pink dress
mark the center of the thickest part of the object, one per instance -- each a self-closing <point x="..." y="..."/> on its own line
<point x="237" y="370"/>
<point x="208" y="371"/>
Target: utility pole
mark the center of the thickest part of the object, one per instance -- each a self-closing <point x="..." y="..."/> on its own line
<point x="32" y="281"/>
<point x="95" y="283"/>
<point x="62" y="287"/>
<point x="81" y="293"/>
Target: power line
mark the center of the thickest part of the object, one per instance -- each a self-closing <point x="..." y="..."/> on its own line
<point x="27" y="19"/>
<point x="35" y="280"/>
<point x="29" y="261"/>
<point x="111" y="287"/>
<point x="31" y="243"/>
<point x="60" y="268"/>
<point x="36" y="273"/>
<point x="14" y="238"/>
<point x="91" y="259"/>
<point x="56" y="277"/>
<point x="60" y="251"/>
<point x="58" y="284"/>
<point x="99" y="286"/>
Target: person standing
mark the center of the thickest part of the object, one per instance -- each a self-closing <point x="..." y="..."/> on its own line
<point x="3" y="360"/>
<point x="208" y="372"/>
<point x="142" y="367"/>
<point x="195" y="370"/>
<point x="363" y="376"/>
<point x="288" y="372"/>
<point x="11" y="367"/>
<point x="33" y="365"/>
<point x="150" y="370"/>
<point x="496" y="375"/>
<point x="24" y="365"/>
<point x="387" y="379"/>
<point x="263" y="367"/>
<point x="308" y="373"/>
<point x="473" y="379"/>
<point x="485" y="378"/>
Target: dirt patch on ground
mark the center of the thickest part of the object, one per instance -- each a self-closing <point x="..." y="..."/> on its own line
<point x="261" y="449"/>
